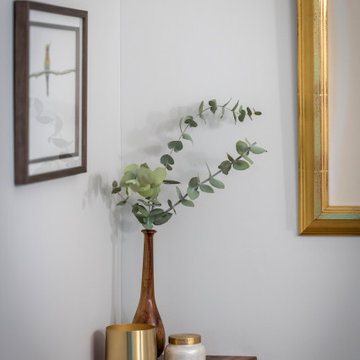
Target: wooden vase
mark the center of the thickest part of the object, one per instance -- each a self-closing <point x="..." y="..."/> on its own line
<point x="147" y="311"/>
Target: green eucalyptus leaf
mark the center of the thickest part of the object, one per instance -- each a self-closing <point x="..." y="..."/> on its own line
<point x="141" y="218"/>
<point x="227" y="103"/>
<point x="241" y="147"/>
<point x="178" y="191"/>
<point x="234" y="115"/>
<point x="193" y="194"/>
<point x="169" y="167"/>
<point x="141" y="209"/>
<point x="240" y="165"/>
<point x="148" y="225"/>
<point x="194" y="182"/>
<point x="247" y="159"/>
<point x="216" y="183"/>
<point x="122" y="202"/>
<point x="225" y="167"/>
<point x="167" y="159"/>
<point x="131" y="168"/>
<point x="223" y="108"/>
<point x="257" y="112"/>
<point x="175" y="145"/>
<point x="235" y="106"/>
<point x="201" y="107"/>
<point x="257" y="150"/>
<point x="180" y="124"/>
<point x="230" y="157"/>
<point x="116" y="190"/>
<point x="156" y="212"/>
<point x="159" y="175"/>
<point x="206" y="188"/>
<point x="189" y="120"/>
<point x="249" y="112"/>
<point x="146" y="203"/>
<point x="171" y="205"/>
<point x="222" y="112"/>
<point x="208" y="169"/>
<point x="114" y="184"/>
<point x="213" y="106"/>
<point x="155" y="202"/>
<point x="171" y="182"/>
<point x="155" y="192"/>
<point x="162" y="219"/>
<point x="187" y="137"/>
<point x="188" y="203"/>
<point x="242" y="115"/>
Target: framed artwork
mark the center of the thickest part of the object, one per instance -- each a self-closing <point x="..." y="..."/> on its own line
<point x="50" y="91"/>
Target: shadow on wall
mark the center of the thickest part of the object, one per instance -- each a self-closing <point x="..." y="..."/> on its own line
<point x="159" y="129"/>
<point x="98" y="345"/>
<point x="100" y="187"/>
<point x="286" y="36"/>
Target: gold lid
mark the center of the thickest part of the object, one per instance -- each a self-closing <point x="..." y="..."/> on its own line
<point x="184" y="339"/>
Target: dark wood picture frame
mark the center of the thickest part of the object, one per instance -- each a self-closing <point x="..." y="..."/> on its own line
<point x="21" y="91"/>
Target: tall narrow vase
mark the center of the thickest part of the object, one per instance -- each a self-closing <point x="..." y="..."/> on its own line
<point x="147" y="311"/>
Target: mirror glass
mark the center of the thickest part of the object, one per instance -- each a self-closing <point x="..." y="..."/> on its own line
<point x="344" y="102"/>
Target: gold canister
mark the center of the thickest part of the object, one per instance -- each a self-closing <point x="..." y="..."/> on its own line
<point x="184" y="339"/>
<point x="131" y="342"/>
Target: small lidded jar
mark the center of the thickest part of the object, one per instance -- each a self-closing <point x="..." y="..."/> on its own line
<point x="185" y="347"/>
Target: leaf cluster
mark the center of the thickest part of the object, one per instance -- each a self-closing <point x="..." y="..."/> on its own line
<point x="242" y="161"/>
<point x="152" y="216"/>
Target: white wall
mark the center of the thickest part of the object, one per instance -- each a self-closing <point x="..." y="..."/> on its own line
<point x="233" y="268"/>
<point x="57" y="238"/>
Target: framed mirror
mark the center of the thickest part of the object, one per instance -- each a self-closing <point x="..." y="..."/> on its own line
<point x="329" y="124"/>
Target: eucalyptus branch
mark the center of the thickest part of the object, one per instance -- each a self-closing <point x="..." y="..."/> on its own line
<point x="177" y="145"/>
<point x="142" y="180"/>
<point x="197" y="187"/>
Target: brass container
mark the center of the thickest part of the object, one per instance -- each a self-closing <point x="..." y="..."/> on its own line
<point x="131" y="342"/>
<point x="184" y="339"/>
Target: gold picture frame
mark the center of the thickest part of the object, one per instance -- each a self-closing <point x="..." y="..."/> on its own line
<point x="317" y="217"/>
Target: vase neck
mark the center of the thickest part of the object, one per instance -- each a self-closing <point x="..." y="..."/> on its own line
<point x="147" y="287"/>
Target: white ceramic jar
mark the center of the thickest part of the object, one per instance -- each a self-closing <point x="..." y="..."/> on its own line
<point x="185" y="347"/>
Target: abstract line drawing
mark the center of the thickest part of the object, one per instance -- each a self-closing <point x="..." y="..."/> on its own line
<point x="47" y="71"/>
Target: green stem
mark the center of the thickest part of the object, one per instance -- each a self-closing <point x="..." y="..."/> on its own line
<point x="201" y="183"/>
<point x="126" y="198"/>
<point x="187" y="126"/>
